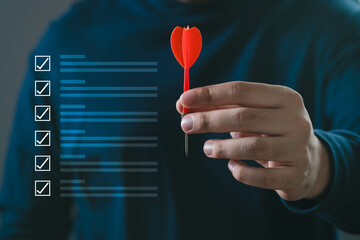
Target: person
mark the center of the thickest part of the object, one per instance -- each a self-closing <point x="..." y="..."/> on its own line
<point x="282" y="77"/>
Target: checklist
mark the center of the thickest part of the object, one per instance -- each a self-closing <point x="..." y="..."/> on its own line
<point x="42" y="188"/>
<point x="42" y="163"/>
<point x="43" y="138"/>
<point x="42" y="63"/>
<point x="42" y="113"/>
<point x="42" y="88"/>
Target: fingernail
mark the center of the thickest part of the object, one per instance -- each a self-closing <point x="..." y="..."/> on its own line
<point x="231" y="165"/>
<point x="187" y="123"/>
<point x="187" y="98"/>
<point x="208" y="148"/>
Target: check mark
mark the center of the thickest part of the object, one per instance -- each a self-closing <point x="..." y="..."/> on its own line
<point x="42" y="65"/>
<point x="42" y="115"/>
<point x="45" y="190"/>
<point x="42" y="190"/>
<point x="42" y="140"/>
<point x="43" y="89"/>
<point x="40" y="167"/>
<point x="42" y="163"/>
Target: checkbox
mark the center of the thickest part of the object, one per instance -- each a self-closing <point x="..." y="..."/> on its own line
<point x="42" y="138"/>
<point x="42" y="163"/>
<point x="42" y="113"/>
<point x="42" y="63"/>
<point x="42" y="188"/>
<point x="42" y="88"/>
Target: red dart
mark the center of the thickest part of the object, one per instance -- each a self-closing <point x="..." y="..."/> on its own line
<point x="186" y="45"/>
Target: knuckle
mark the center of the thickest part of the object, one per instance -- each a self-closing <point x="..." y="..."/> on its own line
<point x="218" y="149"/>
<point x="298" y="98"/>
<point x="252" y="148"/>
<point x="203" y="123"/>
<point x="258" y="148"/>
<point x="243" y="117"/>
<point x="292" y="96"/>
<point x="304" y="125"/>
<point x="206" y="94"/>
<point x="239" y="116"/>
<point x="295" y="97"/>
<point x="237" y="89"/>
<point x="284" y="93"/>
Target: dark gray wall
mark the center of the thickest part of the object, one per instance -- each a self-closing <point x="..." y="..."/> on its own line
<point x="22" y="23"/>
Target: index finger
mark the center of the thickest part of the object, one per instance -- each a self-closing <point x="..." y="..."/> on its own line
<point x="245" y="94"/>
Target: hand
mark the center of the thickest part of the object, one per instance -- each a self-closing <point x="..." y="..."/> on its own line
<point x="268" y="124"/>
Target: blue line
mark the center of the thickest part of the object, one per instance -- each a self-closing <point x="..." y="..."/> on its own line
<point x="72" y="106"/>
<point x="65" y="131"/>
<point x="78" y="138"/>
<point x="108" y="169"/>
<point x="108" y="145"/>
<point x="102" y="120"/>
<point x="71" y="56"/>
<point x="108" y="195"/>
<point x="107" y="88"/>
<point x="72" y="156"/>
<point x="110" y="163"/>
<point x="139" y="70"/>
<point x="71" y="81"/>
<point x="103" y="95"/>
<point x="98" y="188"/>
<point x="72" y="181"/>
<point x="108" y="113"/>
<point x="108" y="63"/>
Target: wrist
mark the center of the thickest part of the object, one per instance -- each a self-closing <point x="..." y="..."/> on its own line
<point x="322" y="172"/>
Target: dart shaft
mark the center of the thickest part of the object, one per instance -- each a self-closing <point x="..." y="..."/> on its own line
<point x="186" y="138"/>
<point x="185" y="110"/>
<point x="186" y="85"/>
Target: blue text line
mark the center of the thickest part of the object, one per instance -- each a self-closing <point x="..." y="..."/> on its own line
<point x="125" y="145"/>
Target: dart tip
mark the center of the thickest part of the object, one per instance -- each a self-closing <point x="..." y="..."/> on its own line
<point x="186" y="145"/>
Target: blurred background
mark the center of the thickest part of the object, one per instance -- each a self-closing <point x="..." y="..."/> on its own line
<point x="22" y="24"/>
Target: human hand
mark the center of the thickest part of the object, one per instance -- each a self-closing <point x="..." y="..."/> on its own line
<point x="268" y="124"/>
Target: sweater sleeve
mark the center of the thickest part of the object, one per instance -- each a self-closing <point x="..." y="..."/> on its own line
<point x="341" y="136"/>
<point x="340" y="206"/>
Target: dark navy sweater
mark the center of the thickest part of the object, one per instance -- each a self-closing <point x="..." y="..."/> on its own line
<point x="312" y="46"/>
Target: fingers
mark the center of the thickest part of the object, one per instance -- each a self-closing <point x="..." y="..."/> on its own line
<point x="244" y="94"/>
<point x="250" y="120"/>
<point x="267" y="178"/>
<point x="249" y="148"/>
<point x="179" y="107"/>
